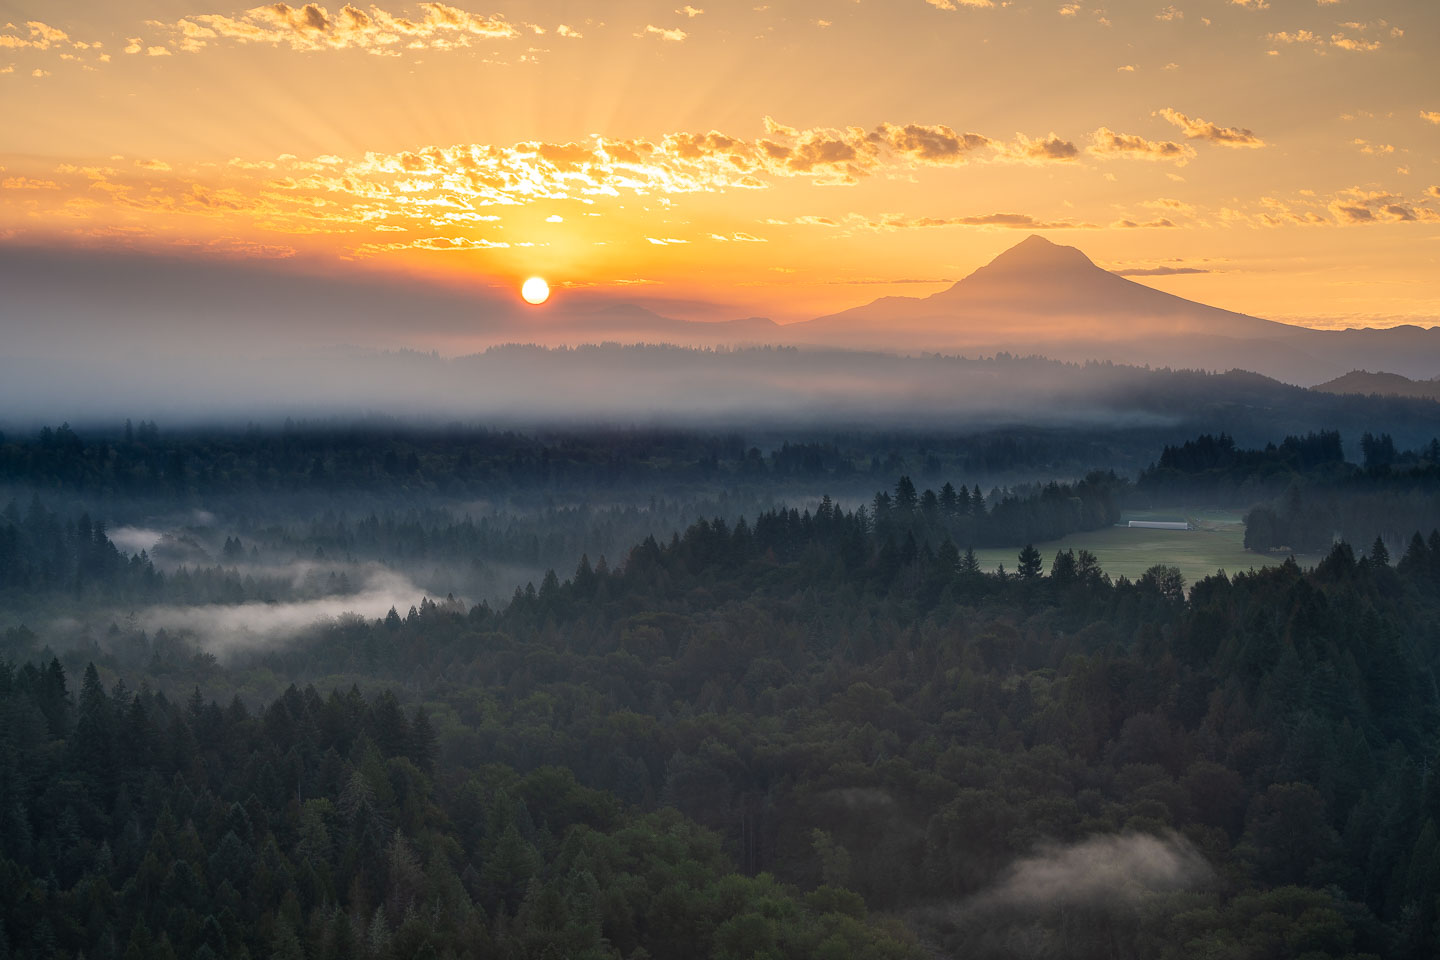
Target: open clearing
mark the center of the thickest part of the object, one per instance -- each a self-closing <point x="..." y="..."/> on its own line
<point x="1217" y="544"/>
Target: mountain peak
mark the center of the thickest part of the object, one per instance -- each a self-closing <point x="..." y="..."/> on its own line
<point x="1036" y="253"/>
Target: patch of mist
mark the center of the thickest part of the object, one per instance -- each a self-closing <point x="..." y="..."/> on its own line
<point x="228" y="629"/>
<point x="1101" y="870"/>
<point x="135" y="539"/>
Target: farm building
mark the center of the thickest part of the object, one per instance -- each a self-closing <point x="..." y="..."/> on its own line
<point x="1160" y="524"/>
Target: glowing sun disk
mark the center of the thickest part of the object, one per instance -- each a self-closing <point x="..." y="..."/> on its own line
<point x="535" y="290"/>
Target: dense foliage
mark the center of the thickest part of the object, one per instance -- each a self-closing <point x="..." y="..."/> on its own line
<point x="841" y="712"/>
<point x="779" y="733"/>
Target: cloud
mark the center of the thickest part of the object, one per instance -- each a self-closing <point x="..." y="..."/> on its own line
<point x="807" y="221"/>
<point x="1430" y="116"/>
<point x="1358" y="206"/>
<point x="312" y="27"/>
<point x="689" y="11"/>
<point x="736" y="238"/>
<point x="1133" y="224"/>
<point x="1170" y="204"/>
<point x="959" y="4"/>
<point x="1159" y="271"/>
<point x="1013" y="221"/>
<point x="440" y="196"/>
<point x="569" y="32"/>
<point x="1433" y="192"/>
<point x="676" y="35"/>
<point x="1196" y="129"/>
<point x="938" y="144"/>
<point x="1373" y="148"/>
<point x="1297" y="37"/>
<point x="1170" y="13"/>
<point x="1339" y="40"/>
<point x="431" y="243"/>
<point x="1252" y="4"/>
<point x="664" y="241"/>
<point x="1353" y="43"/>
<point x="1107" y="143"/>
<point x="25" y="183"/>
<point x="1045" y="149"/>
<point x="39" y="35"/>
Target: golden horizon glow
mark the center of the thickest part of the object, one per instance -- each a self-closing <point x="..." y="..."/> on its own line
<point x="535" y="290"/>
<point x="648" y="156"/>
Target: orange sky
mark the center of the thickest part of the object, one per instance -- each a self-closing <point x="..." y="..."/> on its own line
<point x="1277" y="157"/>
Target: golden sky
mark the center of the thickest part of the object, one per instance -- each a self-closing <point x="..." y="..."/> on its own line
<point x="789" y="159"/>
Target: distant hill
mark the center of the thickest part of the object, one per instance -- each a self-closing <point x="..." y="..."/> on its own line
<point x="1385" y="384"/>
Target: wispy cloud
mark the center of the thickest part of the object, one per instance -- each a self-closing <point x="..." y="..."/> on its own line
<point x="1009" y="221"/>
<point x="1159" y="271"/>
<point x="1196" y="129"/>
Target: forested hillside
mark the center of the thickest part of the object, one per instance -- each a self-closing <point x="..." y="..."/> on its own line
<point x="794" y="736"/>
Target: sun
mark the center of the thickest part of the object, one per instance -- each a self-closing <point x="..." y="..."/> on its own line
<point x="535" y="290"/>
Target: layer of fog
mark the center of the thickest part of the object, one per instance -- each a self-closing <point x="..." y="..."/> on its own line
<point x="228" y="629"/>
<point x="209" y="338"/>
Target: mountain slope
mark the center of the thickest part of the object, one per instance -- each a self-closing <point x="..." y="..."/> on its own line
<point x="1039" y="287"/>
<point x="1043" y="298"/>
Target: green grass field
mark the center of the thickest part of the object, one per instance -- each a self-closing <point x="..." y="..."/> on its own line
<point x="1218" y="544"/>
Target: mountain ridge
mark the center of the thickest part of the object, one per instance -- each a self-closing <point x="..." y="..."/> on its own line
<point x="1041" y="297"/>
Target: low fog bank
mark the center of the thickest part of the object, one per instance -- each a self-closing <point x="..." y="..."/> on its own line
<point x="531" y="385"/>
<point x="613" y="384"/>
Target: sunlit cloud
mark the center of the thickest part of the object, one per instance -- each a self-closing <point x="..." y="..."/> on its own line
<point x="25" y="183"/>
<point x="1373" y="148"/>
<point x="1359" y="206"/>
<point x="312" y="27"/>
<point x="1107" y="143"/>
<point x="38" y="35"/>
<point x="959" y="4"/>
<point x="937" y="144"/>
<point x="1046" y="149"/>
<point x="1196" y="129"/>
<point x="1145" y="224"/>
<point x="674" y="34"/>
